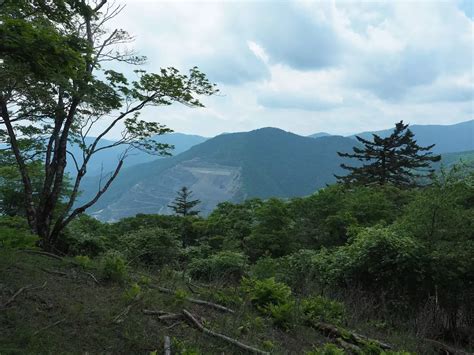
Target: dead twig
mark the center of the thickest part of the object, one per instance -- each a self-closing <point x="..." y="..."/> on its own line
<point x="235" y="342"/>
<point x="173" y="325"/>
<point x="163" y="315"/>
<point x="54" y="272"/>
<point x="92" y="277"/>
<point x="47" y="327"/>
<point x="43" y="253"/>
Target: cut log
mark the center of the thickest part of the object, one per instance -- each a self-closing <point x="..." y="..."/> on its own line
<point x="230" y="340"/>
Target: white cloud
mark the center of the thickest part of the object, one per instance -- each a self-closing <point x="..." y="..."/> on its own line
<point x="309" y="66"/>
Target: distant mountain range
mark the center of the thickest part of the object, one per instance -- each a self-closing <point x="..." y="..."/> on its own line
<point x="106" y="160"/>
<point x="448" y="138"/>
<point x="262" y="163"/>
<point x="230" y="167"/>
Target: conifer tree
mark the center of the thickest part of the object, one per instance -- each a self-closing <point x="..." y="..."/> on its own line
<point x="183" y="205"/>
<point x="396" y="159"/>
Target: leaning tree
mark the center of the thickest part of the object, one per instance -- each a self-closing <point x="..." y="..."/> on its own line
<point x="396" y="159"/>
<point x="57" y="86"/>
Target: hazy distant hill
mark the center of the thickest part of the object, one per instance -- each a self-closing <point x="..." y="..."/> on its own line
<point x="448" y="138"/>
<point x="106" y="160"/>
<point x="230" y="167"/>
<point x="449" y="159"/>
<point x="319" y="134"/>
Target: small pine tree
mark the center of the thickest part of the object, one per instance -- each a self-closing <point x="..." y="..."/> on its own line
<point x="183" y="205"/>
<point x="396" y="159"/>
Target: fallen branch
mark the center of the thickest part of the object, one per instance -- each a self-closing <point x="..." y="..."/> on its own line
<point x="332" y="331"/>
<point x="119" y="318"/>
<point x="173" y="325"/>
<point x="198" y="301"/>
<point x="235" y="342"/>
<point x="17" y="293"/>
<point x="445" y="348"/>
<point x="44" y="253"/>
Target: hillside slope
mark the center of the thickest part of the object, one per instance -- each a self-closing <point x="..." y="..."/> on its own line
<point x="231" y="167"/>
<point x="50" y="306"/>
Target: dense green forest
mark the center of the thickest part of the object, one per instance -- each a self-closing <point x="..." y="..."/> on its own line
<point x="392" y="263"/>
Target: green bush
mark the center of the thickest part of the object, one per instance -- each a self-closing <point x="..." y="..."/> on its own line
<point x="153" y="246"/>
<point x="271" y="234"/>
<point x="282" y="314"/>
<point x="266" y="267"/>
<point x="15" y="234"/>
<point x="379" y="260"/>
<point x="320" y="309"/>
<point x="85" y="244"/>
<point x="327" y="349"/>
<point x="83" y="261"/>
<point x="225" y="265"/>
<point x="132" y="293"/>
<point x="114" y="267"/>
<point x="86" y="236"/>
<point x="263" y="293"/>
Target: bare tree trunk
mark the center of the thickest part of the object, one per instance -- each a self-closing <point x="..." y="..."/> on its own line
<point x="29" y="205"/>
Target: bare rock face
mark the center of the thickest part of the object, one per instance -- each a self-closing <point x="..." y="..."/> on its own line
<point x="211" y="183"/>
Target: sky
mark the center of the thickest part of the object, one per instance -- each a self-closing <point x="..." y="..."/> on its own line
<point x="340" y="67"/>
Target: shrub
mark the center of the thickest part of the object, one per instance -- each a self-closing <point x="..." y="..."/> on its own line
<point x="327" y="349"/>
<point x="271" y="235"/>
<point x="265" y="268"/>
<point x="113" y="267"/>
<point x="320" y="309"/>
<point x="298" y="269"/>
<point x="282" y="314"/>
<point x="132" y="293"/>
<point x="225" y="265"/>
<point x="15" y="234"/>
<point x="263" y="293"/>
<point x="379" y="260"/>
<point x="85" y="244"/>
<point x="153" y="246"/>
<point x="83" y="261"/>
